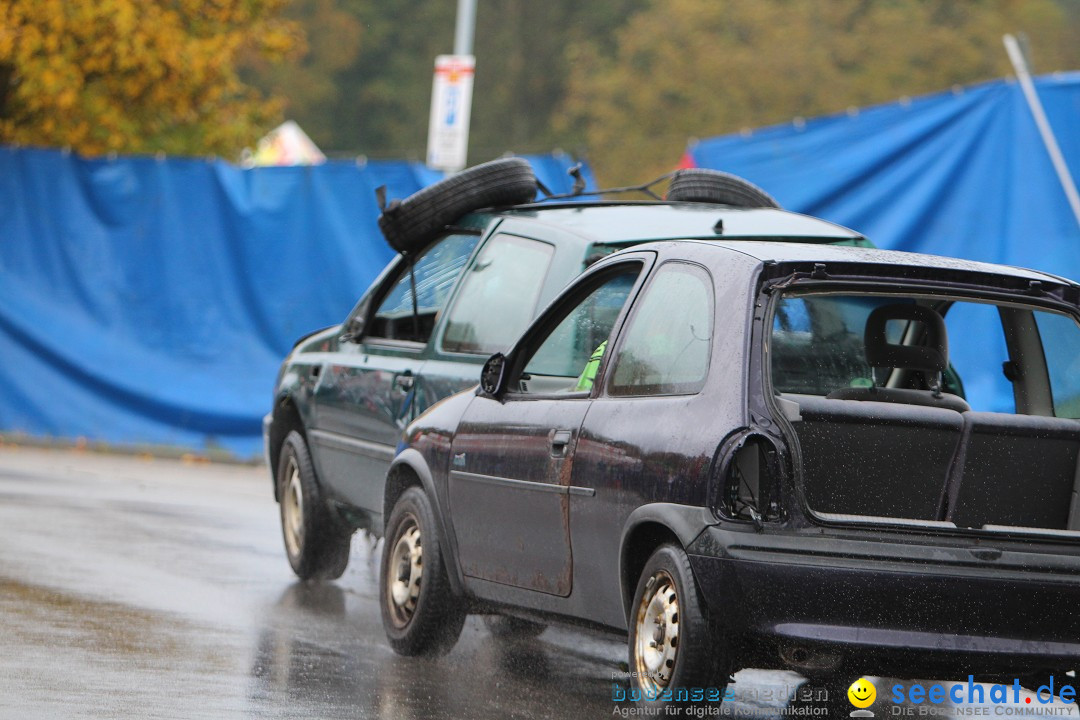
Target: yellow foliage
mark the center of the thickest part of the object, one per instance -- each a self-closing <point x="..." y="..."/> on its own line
<point x="138" y="76"/>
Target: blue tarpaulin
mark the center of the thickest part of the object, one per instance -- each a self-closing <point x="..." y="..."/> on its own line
<point x="151" y="301"/>
<point x="962" y="173"/>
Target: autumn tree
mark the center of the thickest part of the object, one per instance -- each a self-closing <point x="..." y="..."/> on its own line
<point x="137" y="75"/>
<point x="692" y="68"/>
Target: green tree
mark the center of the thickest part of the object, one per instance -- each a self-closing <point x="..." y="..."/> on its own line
<point x="311" y="86"/>
<point x="523" y="69"/>
<point x="137" y="75"/>
<point x="686" y="68"/>
<point x="380" y="101"/>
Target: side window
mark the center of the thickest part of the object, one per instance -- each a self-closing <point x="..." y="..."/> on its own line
<point x="977" y="353"/>
<point x="498" y="296"/>
<point x="435" y="272"/>
<point x="568" y="359"/>
<point x="669" y="337"/>
<point x="1061" y="342"/>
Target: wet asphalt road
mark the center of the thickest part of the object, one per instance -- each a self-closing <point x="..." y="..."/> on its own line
<point x="154" y="588"/>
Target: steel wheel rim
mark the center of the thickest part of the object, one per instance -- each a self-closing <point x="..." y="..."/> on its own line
<point x="404" y="570"/>
<point x="292" y="510"/>
<point x="656" y="643"/>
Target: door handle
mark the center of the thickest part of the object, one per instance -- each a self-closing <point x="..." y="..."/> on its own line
<point x="985" y="553"/>
<point x="559" y="440"/>
<point x="404" y="381"/>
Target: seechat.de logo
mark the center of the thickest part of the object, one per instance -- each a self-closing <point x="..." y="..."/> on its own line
<point x="862" y="694"/>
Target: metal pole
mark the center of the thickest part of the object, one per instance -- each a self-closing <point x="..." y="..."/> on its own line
<point x="1016" y="56"/>
<point x="465" y="28"/>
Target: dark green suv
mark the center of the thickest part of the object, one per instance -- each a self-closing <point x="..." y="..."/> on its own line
<point x="467" y="283"/>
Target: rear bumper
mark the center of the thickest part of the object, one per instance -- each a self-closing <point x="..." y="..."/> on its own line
<point x="922" y="609"/>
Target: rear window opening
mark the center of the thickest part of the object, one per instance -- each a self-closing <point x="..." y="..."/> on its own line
<point x="937" y="411"/>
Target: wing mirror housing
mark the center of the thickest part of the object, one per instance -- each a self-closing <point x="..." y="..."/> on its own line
<point x="353" y="329"/>
<point x="493" y="376"/>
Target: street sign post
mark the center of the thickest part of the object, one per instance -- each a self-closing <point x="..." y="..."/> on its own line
<point x="451" y="104"/>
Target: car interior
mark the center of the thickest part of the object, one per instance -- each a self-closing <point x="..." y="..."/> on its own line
<point x="559" y="364"/>
<point x="409" y="309"/>
<point x="887" y="431"/>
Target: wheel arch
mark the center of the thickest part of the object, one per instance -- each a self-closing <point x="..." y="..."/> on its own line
<point x="410" y="469"/>
<point x="285" y="419"/>
<point x="649" y="527"/>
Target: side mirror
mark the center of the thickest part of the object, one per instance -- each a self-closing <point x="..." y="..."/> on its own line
<point x="353" y="330"/>
<point x="493" y="375"/>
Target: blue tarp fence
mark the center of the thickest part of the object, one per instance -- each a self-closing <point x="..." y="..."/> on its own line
<point x="962" y="173"/>
<point x="151" y="301"/>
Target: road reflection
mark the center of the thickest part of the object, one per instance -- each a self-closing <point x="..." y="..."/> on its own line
<point x="130" y="589"/>
<point x="320" y="650"/>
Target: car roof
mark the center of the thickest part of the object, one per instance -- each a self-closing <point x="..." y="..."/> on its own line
<point x="781" y="252"/>
<point x="618" y="223"/>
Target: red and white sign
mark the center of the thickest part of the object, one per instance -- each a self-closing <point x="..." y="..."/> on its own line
<point x="451" y="103"/>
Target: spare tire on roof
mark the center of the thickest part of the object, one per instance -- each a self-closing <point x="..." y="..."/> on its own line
<point x="413" y="223"/>
<point x="713" y="186"/>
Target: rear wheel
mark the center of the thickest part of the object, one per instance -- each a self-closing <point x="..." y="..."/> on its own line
<point x="421" y="615"/>
<point x="672" y="645"/>
<point x="316" y="543"/>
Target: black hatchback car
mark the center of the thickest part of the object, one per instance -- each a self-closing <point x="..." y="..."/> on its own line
<point x="750" y="454"/>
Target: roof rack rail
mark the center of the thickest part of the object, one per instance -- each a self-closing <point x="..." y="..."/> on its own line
<point x="580" y="191"/>
<point x="695" y="185"/>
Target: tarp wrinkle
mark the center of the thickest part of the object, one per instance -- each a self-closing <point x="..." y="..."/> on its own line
<point x="151" y="301"/>
<point x="960" y="174"/>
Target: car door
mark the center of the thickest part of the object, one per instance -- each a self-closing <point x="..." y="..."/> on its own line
<point x="650" y="434"/>
<point x="367" y="390"/>
<point x="512" y="456"/>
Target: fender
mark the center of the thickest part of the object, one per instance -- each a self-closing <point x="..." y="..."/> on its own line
<point x="685" y="522"/>
<point x="415" y="461"/>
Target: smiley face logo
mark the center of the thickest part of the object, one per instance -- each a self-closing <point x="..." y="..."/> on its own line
<point x="862" y="693"/>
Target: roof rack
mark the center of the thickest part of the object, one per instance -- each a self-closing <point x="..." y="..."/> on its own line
<point x="580" y="191"/>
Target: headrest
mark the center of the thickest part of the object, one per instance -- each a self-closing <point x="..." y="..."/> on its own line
<point x="932" y="355"/>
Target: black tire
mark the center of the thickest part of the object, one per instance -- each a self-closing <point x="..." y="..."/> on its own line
<point x="713" y="186"/>
<point x="509" y="628"/>
<point x="420" y="613"/>
<point x="683" y="646"/>
<point x="413" y="223"/>
<point x="316" y="542"/>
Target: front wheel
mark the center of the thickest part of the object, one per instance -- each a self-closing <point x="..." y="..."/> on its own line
<point x="420" y="613"/>
<point x="316" y="543"/>
<point x="672" y="645"/>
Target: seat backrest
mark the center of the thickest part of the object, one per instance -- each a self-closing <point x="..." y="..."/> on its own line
<point x="931" y="357"/>
<point x="872" y="458"/>
<point x="1017" y="470"/>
